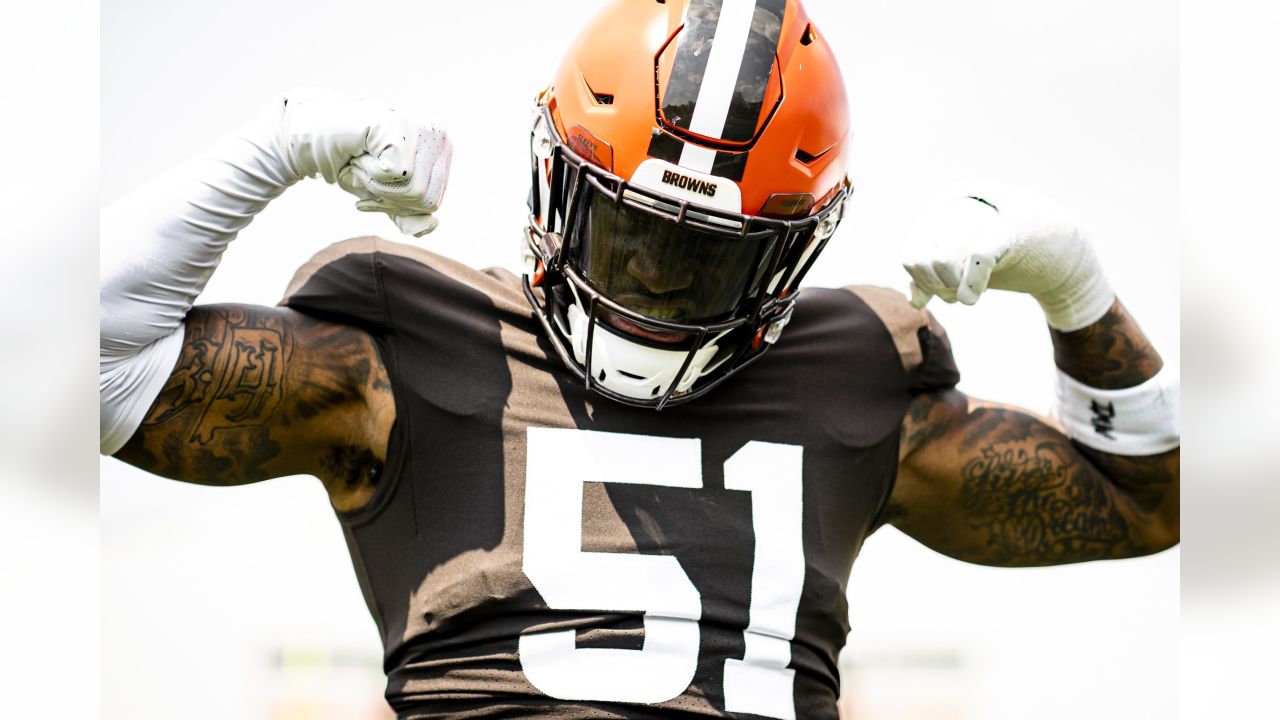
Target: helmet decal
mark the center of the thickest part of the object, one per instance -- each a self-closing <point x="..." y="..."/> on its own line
<point x="731" y="165"/>
<point x="718" y="83"/>
<point x="723" y="63"/>
<point x="684" y="184"/>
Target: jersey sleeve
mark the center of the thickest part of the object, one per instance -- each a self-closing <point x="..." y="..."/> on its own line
<point x="342" y="283"/>
<point x="920" y="339"/>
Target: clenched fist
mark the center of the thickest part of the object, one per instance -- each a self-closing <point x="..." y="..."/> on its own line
<point x="981" y="235"/>
<point x="393" y="163"/>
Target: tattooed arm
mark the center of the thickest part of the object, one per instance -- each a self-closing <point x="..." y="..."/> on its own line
<point x="264" y="392"/>
<point x="997" y="485"/>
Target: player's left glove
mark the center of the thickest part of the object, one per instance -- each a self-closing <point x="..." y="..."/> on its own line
<point x="981" y="235"/>
<point x="391" y="162"/>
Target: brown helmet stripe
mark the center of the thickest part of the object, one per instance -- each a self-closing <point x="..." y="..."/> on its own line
<point x="702" y="18"/>
<point x="754" y="73"/>
<point x="723" y="63"/>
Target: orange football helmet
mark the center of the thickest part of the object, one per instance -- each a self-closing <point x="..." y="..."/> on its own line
<point x="688" y="167"/>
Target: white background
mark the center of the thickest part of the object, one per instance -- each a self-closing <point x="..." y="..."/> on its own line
<point x="202" y="587"/>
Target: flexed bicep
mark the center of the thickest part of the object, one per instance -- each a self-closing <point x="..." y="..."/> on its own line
<point x="263" y="392"/>
<point x="997" y="485"/>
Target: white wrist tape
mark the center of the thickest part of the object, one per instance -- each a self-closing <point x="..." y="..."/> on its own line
<point x="159" y="245"/>
<point x="1083" y="297"/>
<point x="1139" y="420"/>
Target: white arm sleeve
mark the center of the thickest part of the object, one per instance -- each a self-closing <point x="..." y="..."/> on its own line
<point x="159" y="246"/>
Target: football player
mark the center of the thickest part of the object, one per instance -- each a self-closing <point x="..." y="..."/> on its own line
<point x="611" y="487"/>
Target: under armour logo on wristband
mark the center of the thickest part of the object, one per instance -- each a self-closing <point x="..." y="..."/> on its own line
<point x="1138" y="420"/>
<point x="1102" y="417"/>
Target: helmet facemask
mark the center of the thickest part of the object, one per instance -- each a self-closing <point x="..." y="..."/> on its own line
<point x="650" y="299"/>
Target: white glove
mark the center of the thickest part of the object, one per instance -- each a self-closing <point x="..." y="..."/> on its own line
<point x="981" y="234"/>
<point x="388" y="160"/>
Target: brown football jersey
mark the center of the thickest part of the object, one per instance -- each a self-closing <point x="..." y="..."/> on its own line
<point x="535" y="550"/>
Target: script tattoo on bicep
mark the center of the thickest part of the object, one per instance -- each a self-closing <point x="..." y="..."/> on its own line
<point x="230" y="374"/>
<point x="1034" y="500"/>
<point x="923" y="422"/>
<point x="233" y="408"/>
<point x="997" y="485"/>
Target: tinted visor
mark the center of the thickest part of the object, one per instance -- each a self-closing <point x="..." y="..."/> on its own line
<point x="636" y="253"/>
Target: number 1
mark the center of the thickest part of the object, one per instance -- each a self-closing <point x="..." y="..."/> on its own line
<point x="761" y="683"/>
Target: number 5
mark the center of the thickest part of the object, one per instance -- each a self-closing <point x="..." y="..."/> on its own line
<point x="558" y="463"/>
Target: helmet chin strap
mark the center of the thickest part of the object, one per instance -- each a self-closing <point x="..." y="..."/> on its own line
<point x="629" y="368"/>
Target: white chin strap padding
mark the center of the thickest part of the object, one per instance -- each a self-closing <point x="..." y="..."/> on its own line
<point x="629" y="368"/>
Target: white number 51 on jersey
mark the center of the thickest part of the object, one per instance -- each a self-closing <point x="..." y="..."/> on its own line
<point x="559" y="462"/>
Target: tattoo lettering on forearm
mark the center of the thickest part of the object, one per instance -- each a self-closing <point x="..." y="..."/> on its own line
<point x="1036" y="506"/>
<point x="1111" y="353"/>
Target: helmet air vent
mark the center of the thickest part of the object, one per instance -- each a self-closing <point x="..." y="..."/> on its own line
<point x="808" y="36"/>
<point x="597" y="97"/>
<point x="807" y="158"/>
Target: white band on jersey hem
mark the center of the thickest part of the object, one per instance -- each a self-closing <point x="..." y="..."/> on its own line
<point x="1140" y="420"/>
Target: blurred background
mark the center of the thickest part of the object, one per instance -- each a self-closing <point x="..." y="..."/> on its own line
<point x="48" y="315"/>
<point x="241" y="603"/>
<point x="1231" y="232"/>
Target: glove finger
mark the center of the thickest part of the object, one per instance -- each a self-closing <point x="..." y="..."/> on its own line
<point x="393" y="198"/>
<point x="377" y="205"/>
<point x="391" y="145"/>
<point x="973" y="282"/>
<point x="375" y="171"/>
<point x="350" y="181"/>
<point x="919" y="296"/>
<point x="948" y="273"/>
<point x="416" y="225"/>
<point x="943" y="288"/>
<point x="923" y="276"/>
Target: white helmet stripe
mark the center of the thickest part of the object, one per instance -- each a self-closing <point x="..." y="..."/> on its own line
<point x="723" y="66"/>
<point x="720" y="79"/>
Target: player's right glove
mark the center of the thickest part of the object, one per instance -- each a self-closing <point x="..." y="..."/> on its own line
<point x="388" y="160"/>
